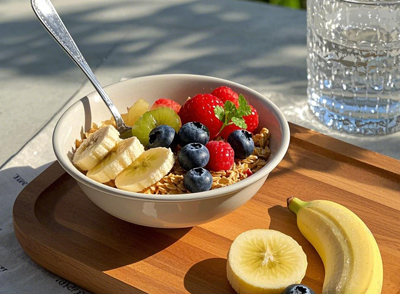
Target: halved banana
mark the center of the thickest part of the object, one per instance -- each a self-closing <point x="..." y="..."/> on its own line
<point x="151" y="166"/>
<point x="95" y="147"/>
<point x="265" y="261"/>
<point x="116" y="161"/>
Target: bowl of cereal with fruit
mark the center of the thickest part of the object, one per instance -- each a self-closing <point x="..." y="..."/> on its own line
<point x="199" y="148"/>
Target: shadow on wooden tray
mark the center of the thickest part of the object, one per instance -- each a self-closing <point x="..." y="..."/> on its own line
<point x="95" y="237"/>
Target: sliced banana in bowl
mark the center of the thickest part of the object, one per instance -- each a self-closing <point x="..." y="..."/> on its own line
<point x="106" y="157"/>
<point x="151" y="166"/>
<point x="95" y="147"/>
<point x="116" y="161"/>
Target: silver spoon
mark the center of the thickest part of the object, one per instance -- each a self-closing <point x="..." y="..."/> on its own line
<point x="50" y="19"/>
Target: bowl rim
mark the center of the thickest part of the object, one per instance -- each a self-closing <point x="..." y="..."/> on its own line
<point x="263" y="172"/>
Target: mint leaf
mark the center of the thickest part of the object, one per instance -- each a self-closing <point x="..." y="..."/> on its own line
<point x="230" y="111"/>
<point x="230" y="114"/>
<point x="244" y="107"/>
<point x="219" y="113"/>
<point x="239" y="121"/>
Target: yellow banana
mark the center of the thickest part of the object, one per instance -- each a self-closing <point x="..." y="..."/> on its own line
<point x="349" y="252"/>
<point x="95" y="147"/>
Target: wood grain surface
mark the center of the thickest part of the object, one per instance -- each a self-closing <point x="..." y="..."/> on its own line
<point x="64" y="232"/>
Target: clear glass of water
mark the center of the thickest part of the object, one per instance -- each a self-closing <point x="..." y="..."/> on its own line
<point x="353" y="64"/>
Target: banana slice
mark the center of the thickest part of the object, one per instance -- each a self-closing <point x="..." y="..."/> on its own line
<point x="151" y="166"/>
<point x="95" y="147"/>
<point x="265" y="261"/>
<point x="116" y="161"/>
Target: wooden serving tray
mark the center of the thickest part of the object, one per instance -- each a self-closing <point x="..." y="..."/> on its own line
<point x="64" y="232"/>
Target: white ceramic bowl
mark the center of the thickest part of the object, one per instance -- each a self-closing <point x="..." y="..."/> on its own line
<point x="172" y="211"/>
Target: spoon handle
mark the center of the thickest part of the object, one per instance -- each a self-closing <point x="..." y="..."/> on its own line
<point x="50" y="19"/>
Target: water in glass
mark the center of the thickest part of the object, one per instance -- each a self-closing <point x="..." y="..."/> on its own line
<point x="354" y="65"/>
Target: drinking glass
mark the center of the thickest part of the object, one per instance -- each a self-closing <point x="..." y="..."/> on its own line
<point x="353" y="64"/>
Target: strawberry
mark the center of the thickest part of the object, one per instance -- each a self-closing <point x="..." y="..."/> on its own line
<point x="228" y="130"/>
<point x="251" y="121"/>
<point x="222" y="155"/>
<point x="200" y="108"/>
<point x="225" y="93"/>
<point x="165" y="102"/>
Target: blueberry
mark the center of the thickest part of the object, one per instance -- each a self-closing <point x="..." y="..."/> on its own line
<point x="197" y="180"/>
<point x="242" y="143"/>
<point x="193" y="155"/>
<point x="163" y="136"/>
<point x="193" y="132"/>
<point x="297" y="289"/>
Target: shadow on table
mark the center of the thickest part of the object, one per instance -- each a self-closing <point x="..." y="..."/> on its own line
<point x="236" y="40"/>
<point x="208" y="276"/>
<point x="284" y="221"/>
<point x="231" y="39"/>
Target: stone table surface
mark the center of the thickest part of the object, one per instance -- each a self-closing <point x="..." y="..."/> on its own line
<point x="255" y="44"/>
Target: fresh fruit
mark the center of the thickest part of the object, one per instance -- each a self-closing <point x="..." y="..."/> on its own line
<point x="242" y="143"/>
<point x="135" y="111"/>
<point x="232" y="115"/>
<point x="222" y="156"/>
<point x="153" y="118"/>
<point x="248" y="172"/>
<point x="251" y="122"/>
<point x="200" y="108"/>
<point x="227" y="130"/>
<point x="116" y="161"/>
<point x="163" y="136"/>
<point x="226" y="94"/>
<point x="165" y="102"/>
<point x="95" y="147"/>
<point x="151" y="166"/>
<point x="197" y="180"/>
<point x="193" y="155"/>
<point x="265" y="261"/>
<point x="348" y="250"/>
<point x="193" y="132"/>
<point x="297" y="289"/>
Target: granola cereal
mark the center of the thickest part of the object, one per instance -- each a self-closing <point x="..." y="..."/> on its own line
<point x="172" y="183"/>
<point x="241" y="169"/>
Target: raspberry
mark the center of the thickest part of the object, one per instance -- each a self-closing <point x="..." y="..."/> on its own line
<point x="222" y="155"/>
<point x="200" y="108"/>
<point x="225" y="93"/>
<point x="165" y="102"/>
<point x="251" y="122"/>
